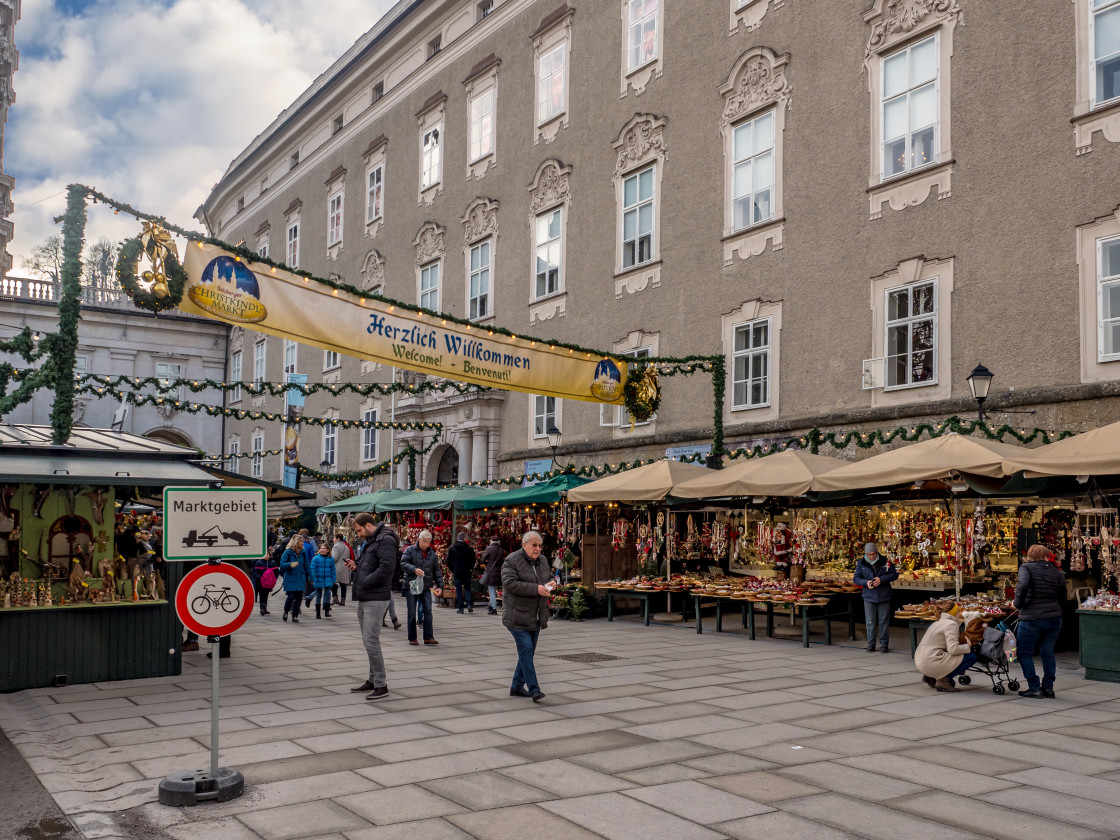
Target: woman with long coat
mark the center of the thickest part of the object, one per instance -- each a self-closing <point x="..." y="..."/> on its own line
<point x="293" y="566"/>
<point x="944" y="652"/>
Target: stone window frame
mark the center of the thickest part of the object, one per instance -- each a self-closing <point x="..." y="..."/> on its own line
<point x="895" y="25"/>
<point x="430" y="249"/>
<point x="907" y="273"/>
<point x="757" y="83"/>
<point x="373" y="272"/>
<point x="1090" y="117"/>
<point x="550" y="190"/>
<point x="330" y="433"/>
<point x="332" y="360"/>
<point x="483" y="80"/>
<point x="374" y="158"/>
<point x="635" y="80"/>
<point x="233" y="449"/>
<point x="635" y="342"/>
<point x="263" y="233"/>
<point x="292" y="219"/>
<point x="236" y="372"/>
<point x="256" y="463"/>
<point x="336" y="191"/>
<point x="431" y="116"/>
<point x="558" y="418"/>
<point x="262" y="358"/>
<point x="1094" y="368"/>
<point x="480" y="223"/>
<point x="555" y="31"/>
<point x="747" y="15"/>
<point x="753" y="310"/>
<point x="640" y="143"/>
<point x="368" y="406"/>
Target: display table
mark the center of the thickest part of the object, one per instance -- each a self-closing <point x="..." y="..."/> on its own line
<point x="808" y="613"/>
<point x="643" y="596"/>
<point x="1100" y="644"/>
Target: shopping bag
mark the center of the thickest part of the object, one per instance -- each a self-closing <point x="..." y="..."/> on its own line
<point x="416" y="585"/>
<point x="1010" y="647"/>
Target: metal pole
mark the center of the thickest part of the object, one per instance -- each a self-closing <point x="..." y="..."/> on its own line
<point x="393" y="434"/>
<point x="215" y="655"/>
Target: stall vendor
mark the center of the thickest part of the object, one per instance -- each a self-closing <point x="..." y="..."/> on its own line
<point x="783" y="548"/>
<point x="874" y="574"/>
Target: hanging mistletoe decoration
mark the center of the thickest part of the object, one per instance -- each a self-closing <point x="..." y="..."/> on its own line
<point x="161" y="287"/>
<point x="642" y="392"/>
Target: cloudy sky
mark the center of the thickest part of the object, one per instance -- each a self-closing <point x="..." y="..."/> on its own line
<point x="149" y="100"/>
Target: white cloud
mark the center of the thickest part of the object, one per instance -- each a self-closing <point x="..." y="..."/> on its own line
<point x="149" y="102"/>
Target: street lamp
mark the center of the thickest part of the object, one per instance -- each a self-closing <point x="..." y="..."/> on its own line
<point x="979" y="383"/>
<point x="554" y="438"/>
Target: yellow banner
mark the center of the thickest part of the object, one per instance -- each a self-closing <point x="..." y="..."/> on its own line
<point x="269" y="300"/>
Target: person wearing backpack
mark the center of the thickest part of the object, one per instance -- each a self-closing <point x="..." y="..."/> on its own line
<point x="373" y="577"/>
<point x="1040" y="596"/>
<point x="293" y="567"/>
<point x="263" y="575"/>
<point x="322" y="580"/>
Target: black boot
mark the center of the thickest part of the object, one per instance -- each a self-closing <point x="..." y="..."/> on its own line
<point x="318" y="611"/>
<point x="327" y="610"/>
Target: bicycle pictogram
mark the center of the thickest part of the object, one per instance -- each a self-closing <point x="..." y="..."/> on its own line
<point x="219" y="597"/>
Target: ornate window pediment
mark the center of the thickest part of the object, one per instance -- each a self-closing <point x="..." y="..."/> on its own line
<point x="551" y="185"/>
<point x="429" y="242"/>
<point x="480" y="220"/>
<point x="894" y="20"/>
<point x="641" y="140"/>
<point x="757" y="81"/>
<point x="373" y="271"/>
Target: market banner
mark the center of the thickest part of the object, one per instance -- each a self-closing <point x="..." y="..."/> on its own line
<point x="270" y="300"/>
<point x="293" y="409"/>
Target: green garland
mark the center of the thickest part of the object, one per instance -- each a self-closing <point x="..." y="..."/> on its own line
<point x="409" y="452"/>
<point x="130" y="252"/>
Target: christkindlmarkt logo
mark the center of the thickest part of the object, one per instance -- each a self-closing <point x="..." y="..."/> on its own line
<point x="607" y="382"/>
<point x="229" y="290"/>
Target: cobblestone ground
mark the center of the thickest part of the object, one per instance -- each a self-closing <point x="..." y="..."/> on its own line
<point x="681" y="736"/>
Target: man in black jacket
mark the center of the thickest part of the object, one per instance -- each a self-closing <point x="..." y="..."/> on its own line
<point x="461" y="559"/>
<point x="373" y="576"/>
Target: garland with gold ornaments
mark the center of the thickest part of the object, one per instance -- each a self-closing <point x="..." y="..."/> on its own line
<point x="161" y="287"/>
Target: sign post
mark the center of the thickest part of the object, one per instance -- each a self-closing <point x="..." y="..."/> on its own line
<point x="212" y="600"/>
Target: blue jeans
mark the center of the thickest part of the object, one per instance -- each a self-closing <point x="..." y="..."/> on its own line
<point x="525" y="674"/>
<point x="877" y="613"/>
<point x="1043" y="633"/>
<point x="424" y="601"/>
<point x="463" y="595"/>
<point x="966" y="663"/>
<point x="323" y="597"/>
<point x="493" y="597"/>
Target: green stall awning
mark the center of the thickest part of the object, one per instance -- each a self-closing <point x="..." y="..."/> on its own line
<point x="545" y="493"/>
<point x="442" y="498"/>
<point x="366" y="502"/>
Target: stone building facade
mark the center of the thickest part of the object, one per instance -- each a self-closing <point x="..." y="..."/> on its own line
<point x="855" y="202"/>
<point x="9" y="63"/>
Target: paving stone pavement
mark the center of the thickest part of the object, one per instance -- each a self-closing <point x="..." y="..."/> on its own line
<point x="681" y="736"/>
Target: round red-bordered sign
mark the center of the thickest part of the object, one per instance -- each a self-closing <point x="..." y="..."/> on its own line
<point x="214" y="600"/>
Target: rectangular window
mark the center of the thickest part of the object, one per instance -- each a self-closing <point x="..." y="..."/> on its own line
<point x="235" y="376"/>
<point x="257" y="470"/>
<point x="1108" y="296"/>
<point x="293" y="245"/>
<point x="482" y="125"/>
<point x="330" y="443"/>
<point x="430" y="158"/>
<point x="1104" y="38"/>
<point x="378" y="91"/>
<point x="81" y="366"/>
<point x="550" y="253"/>
<point x="334" y="219"/>
<point x="637" y="218"/>
<point x="485" y="8"/>
<point x="369" y="436"/>
<point x="429" y="287"/>
<point x="750" y="378"/>
<point x="336" y="124"/>
<point x="331" y="360"/>
<point x="754" y="171"/>
<point x="434" y="46"/>
<point x="911" y="107"/>
<point x="480" y="281"/>
<point x="293" y="160"/>
<point x="911" y="357"/>
<point x="258" y="362"/>
<point x="617" y="416"/>
<point x="262" y="249"/>
<point x="291" y="349"/>
<point x="166" y="372"/>
<point x="376" y="191"/>
<point x="642" y="30"/>
<point x="550" y="99"/>
<point x="233" y="463"/>
<point x="544" y="415"/>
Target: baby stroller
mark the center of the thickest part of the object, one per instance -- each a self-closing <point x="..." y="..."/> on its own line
<point x="993" y="658"/>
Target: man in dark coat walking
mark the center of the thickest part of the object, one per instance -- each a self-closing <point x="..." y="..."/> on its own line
<point x="492" y="559"/>
<point x="527" y="586"/>
<point x="373" y="576"/>
<point x="461" y="559"/>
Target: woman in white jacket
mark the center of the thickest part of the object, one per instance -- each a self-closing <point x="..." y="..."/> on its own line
<point x="944" y="653"/>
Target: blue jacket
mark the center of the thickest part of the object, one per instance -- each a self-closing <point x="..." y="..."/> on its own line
<point x="322" y="571"/>
<point x="295" y="571"/>
<point x="884" y="570"/>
